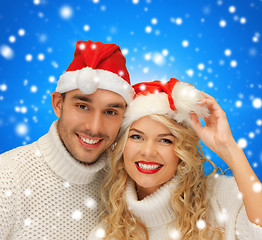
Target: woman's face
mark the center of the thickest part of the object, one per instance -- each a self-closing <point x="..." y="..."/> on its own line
<point x="149" y="156"/>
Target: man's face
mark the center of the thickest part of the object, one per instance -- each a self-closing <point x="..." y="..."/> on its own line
<point x="88" y="124"/>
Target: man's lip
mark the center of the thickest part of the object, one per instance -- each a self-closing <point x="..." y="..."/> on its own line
<point x="87" y="145"/>
<point x="89" y="137"/>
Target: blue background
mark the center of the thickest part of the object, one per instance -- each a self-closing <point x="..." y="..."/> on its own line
<point x="185" y="39"/>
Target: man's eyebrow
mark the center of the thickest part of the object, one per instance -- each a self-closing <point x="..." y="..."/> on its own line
<point x="82" y="98"/>
<point x="116" y="105"/>
<point x="87" y="99"/>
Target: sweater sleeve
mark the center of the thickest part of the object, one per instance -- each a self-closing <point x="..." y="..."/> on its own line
<point x="229" y="210"/>
<point x="245" y="229"/>
<point x="7" y="195"/>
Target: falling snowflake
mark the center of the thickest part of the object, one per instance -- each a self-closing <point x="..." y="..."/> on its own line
<point x="232" y="9"/>
<point x="242" y="142"/>
<point x="77" y="215"/>
<point x="21" y="129"/>
<point x="233" y="63"/>
<point x="28" y="192"/>
<point x="66" y="184"/>
<point x="66" y="12"/>
<point x="90" y="203"/>
<point x="227" y="52"/>
<point x="179" y="21"/>
<point x="51" y="79"/>
<point x="28" y="57"/>
<point x="12" y="39"/>
<point x="36" y="2"/>
<point x="3" y="87"/>
<point x="185" y="43"/>
<point x="6" y="52"/>
<point x="165" y="52"/>
<point x="8" y="193"/>
<point x="201" y="224"/>
<point x="27" y="222"/>
<point x="125" y="51"/>
<point x="257" y="103"/>
<point x="174" y="234"/>
<point x="41" y="56"/>
<point x="222" y="23"/>
<point x="257" y="187"/>
<point x="238" y="103"/>
<point x="86" y="28"/>
<point x="100" y="233"/>
<point x="148" y="29"/>
<point x="201" y="66"/>
<point x="158" y="59"/>
<point x="21" y="32"/>
<point x="243" y="20"/>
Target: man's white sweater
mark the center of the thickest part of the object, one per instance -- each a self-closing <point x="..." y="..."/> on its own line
<point x="46" y="194"/>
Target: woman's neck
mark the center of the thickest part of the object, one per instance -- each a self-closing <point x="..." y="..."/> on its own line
<point x="143" y="192"/>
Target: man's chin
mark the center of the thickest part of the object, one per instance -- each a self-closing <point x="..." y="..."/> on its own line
<point x="89" y="160"/>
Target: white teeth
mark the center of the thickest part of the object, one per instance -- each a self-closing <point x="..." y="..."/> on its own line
<point x="148" y="166"/>
<point x="89" y="141"/>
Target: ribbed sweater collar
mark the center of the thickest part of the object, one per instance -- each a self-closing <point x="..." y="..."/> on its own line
<point x="155" y="209"/>
<point x="62" y="163"/>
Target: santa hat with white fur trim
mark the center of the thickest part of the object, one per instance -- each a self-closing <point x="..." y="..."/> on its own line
<point x="173" y="99"/>
<point x="97" y="65"/>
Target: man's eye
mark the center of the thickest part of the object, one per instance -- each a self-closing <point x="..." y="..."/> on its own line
<point x="83" y="106"/>
<point x="110" y="112"/>
<point x="165" y="140"/>
<point x="135" y="136"/>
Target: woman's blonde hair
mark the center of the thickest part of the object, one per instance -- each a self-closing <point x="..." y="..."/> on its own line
<point x="188" y="200"/>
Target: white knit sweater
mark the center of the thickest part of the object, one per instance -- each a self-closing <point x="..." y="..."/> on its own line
<point x="226" y="210"/>
<point x="45" y="194"/>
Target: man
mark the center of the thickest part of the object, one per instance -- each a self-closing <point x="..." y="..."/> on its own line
<point x="50" y="189"/>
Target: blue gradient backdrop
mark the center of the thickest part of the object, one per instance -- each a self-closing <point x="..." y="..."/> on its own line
<point x="215" y="45"/>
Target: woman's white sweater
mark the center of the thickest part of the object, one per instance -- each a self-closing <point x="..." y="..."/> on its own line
<point x="226" y="209"/>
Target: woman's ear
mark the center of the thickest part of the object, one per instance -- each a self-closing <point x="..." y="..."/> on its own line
<point x="57" y="102"/>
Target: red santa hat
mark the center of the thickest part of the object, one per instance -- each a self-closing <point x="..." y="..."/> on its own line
<point x="173" y="99"/>
<point x="97" y="65"/>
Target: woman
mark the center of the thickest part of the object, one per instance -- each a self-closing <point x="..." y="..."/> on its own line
<point x="156" y="187"/>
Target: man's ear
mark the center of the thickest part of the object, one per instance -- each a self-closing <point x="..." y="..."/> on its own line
<point x="57" y="102"/>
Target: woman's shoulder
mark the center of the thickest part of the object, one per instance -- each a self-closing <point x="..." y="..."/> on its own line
<point x="223" y="189"/>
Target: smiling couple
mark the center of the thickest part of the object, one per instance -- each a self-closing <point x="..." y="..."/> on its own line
<point x="134" y="150"/>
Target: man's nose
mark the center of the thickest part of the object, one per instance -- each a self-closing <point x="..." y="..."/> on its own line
<point x="95" y="122"/>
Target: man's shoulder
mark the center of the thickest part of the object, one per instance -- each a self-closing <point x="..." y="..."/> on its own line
<point x="12" y="156"/>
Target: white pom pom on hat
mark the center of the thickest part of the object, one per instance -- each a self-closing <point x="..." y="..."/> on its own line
<point x="97" y="65"/>
<point x="173" y="99"/>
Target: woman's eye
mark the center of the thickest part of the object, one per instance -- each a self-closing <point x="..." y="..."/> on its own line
<point x="165" y="140"/>
<point x="135" y="136"/>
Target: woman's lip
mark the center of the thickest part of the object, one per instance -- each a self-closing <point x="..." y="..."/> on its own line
<point x="148" y="171"/>
<point x="149" y="163"/>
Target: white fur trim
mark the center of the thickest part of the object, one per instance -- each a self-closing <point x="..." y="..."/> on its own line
<point x="185" y="98"/>
<point x="88" y="80"/>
